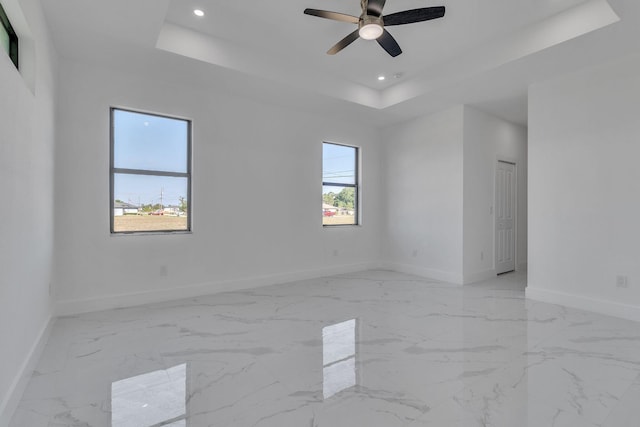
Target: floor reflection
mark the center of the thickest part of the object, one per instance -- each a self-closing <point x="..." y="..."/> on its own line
<point x="153" y="399"/>
<point x="435" y="355"/>
<point x="338" y="357"/>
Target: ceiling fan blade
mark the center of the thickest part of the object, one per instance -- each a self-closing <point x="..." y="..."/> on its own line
<point x="389" y="44"/>
<point x="374" y="7"/>
<point x="332" y="15"/>
<point x="343" y="43"/>
<point x="414" y="15"/>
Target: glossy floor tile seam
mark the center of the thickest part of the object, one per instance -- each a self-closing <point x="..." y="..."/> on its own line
<point x="374" y="348"/>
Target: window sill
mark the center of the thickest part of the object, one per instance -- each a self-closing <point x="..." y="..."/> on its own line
<point x="151" y="233"/>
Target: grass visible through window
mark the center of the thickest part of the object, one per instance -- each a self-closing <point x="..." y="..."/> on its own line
<point x="339" y="184"/>
<point x="150" y="174"/>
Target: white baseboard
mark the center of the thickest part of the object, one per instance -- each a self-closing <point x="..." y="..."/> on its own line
<point x="598" y="305"/>
<point x="23" y="375"/>
<point x="479" y="276"/>
<point x="78" y="306"/>
<point x="428" y="273"/>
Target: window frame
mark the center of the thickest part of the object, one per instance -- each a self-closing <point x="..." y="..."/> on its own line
<point x="355" y="185"/>
<point x="13" y="38"/>
<point x="144" y="172"/>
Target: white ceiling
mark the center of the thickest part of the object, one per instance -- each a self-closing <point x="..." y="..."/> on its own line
<point x="280" y="29"/>
<point x="483" y="52"/>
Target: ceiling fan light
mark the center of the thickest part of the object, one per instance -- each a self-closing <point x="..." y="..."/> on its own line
<point x="370" y="31"/>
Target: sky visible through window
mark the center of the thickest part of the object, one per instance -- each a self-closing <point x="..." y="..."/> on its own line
<point x="153" y="143"/>
<point x="339" y="201"/>
<point x="338" y="165"/>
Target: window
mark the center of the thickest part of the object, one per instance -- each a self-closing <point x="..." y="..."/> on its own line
<point x="339" y="184"/>
<point x="150" y="173"/>
<point x="8" y="37"/>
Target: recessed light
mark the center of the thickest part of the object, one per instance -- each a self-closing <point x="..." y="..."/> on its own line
<point x="381" y="78"/>
<point x="198" y="12"/>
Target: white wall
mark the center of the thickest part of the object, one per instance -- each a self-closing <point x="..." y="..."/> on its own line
<point x="256" y="195"/>
<point x="584" y="187"/>
<point x="423" y="175"/>
<point x="440" y="179"/>
<point x="26" y="185"/>
<point x="488" y="139"/>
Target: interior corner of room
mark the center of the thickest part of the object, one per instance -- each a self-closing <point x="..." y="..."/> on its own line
<point x="515" y="154"/>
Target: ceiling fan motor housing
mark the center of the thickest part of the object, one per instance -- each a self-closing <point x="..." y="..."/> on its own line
<point x="364" y="6"/>
<point x="368" y="20"/>
<point x="371" y="23"/>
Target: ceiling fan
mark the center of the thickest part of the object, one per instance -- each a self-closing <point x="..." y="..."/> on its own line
<point x="371" y="23"/>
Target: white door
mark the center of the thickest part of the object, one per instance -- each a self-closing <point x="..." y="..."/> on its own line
<point x="505" y="217"/>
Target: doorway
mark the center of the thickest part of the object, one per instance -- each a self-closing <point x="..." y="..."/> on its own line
<point x="505" y="227"/>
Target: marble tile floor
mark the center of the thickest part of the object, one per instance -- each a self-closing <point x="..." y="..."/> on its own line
<point x="375" y="348"/>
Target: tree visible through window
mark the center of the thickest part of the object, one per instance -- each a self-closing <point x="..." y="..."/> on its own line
<point x="339" y="184"/>
<point x="150" y="172"/>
